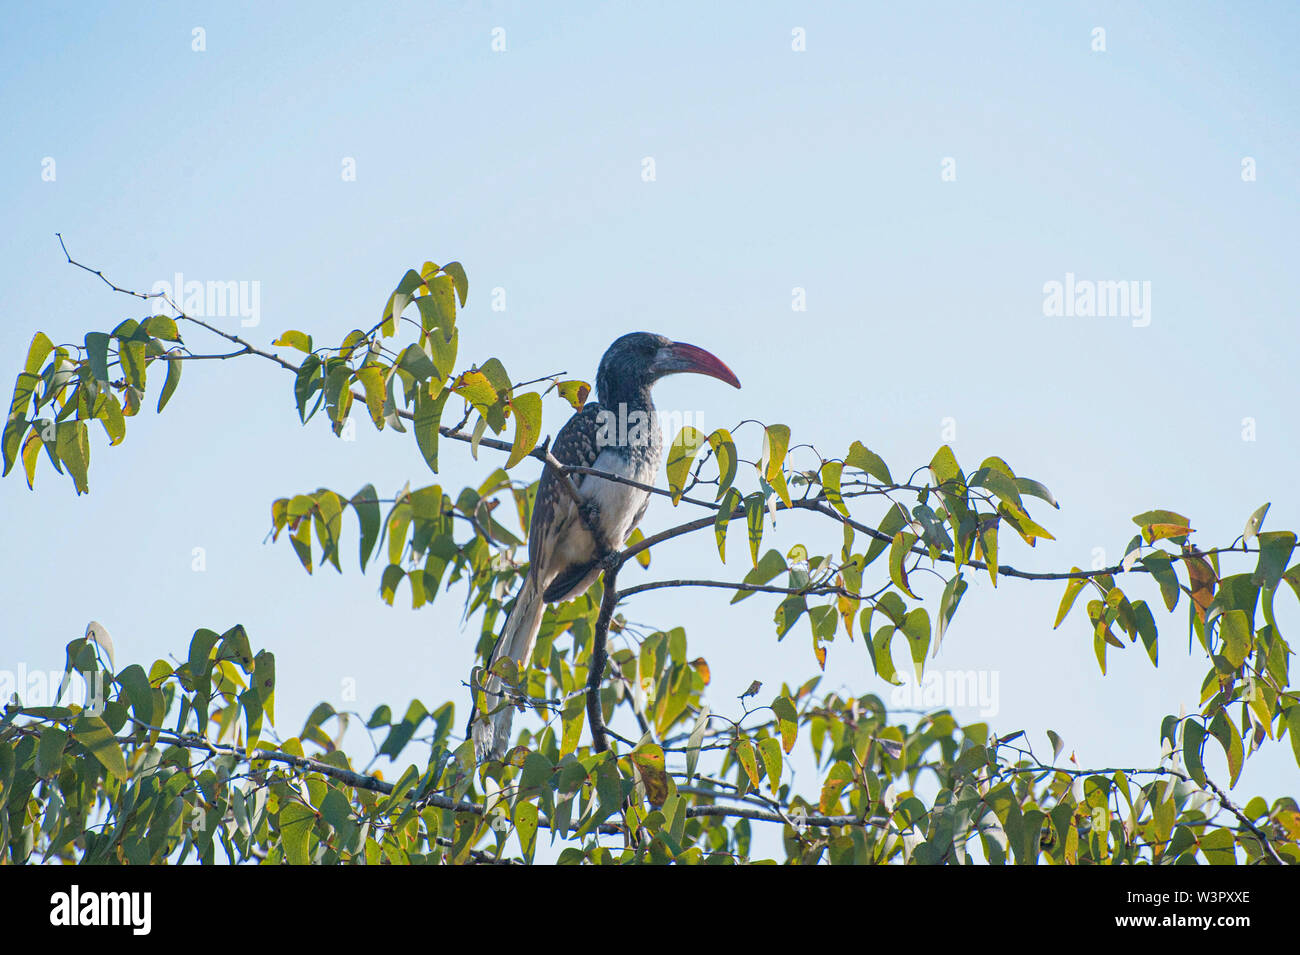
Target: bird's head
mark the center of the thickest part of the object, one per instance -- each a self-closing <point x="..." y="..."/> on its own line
<point x="639" y="359"/>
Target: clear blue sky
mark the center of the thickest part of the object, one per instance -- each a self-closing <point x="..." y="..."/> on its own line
<point x="775" y="169"/>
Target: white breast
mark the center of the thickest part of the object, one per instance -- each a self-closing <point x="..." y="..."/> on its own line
<point x="619" y="503"/>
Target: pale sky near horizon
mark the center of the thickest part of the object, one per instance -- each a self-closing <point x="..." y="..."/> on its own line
<point x="775" y="169"/>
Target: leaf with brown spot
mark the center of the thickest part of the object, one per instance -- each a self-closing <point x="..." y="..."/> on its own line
<point x="649" y="763"/>
<point x="1202" y="580"/>
<point x="575" y="392"/>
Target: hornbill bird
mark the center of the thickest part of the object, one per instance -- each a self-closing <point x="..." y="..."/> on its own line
<point x="617" y="433"/>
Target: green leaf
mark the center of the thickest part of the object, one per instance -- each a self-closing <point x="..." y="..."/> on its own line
<point x="72" y="445"/>
<point x="898" y="552"/>
<point x="459" y="278"/>
<point x="296" y="822"/>
<point x="301" y="541"/>
<point x="1275" y="549"/>
<point x="1235" y="632"/>
<point x="526" y="828"/>
<point x="997" y="480"/>
<point x="1223" y="730"/>
<point x="881" y="658"/>
<point x="388" y="582"/>
<point x="1161" y="567"/>
<point x="428" y="416"/>
<point x="724" y="449"/>
<point x="527" y="410"/>
<point x="400" y="298"/>
<point x="37" y="352"/>
<point x="443" y="349"/>
<point x="916" y="627"/>
<point x="787" y="721"/>
<point x="338" y="393"/>
<point x="945" y="472"/>
<point x="135" y="683"/>
<point x="1146" y="627"/>
<point x="419" y="366"/>
<point x="97" y="354"/>
<point x="162" y="326"/>
<point x="723" y="517"/>
<point x="1034" y="489"/>
<point x="174" y="365"/>
<point x="764" y="570"/>
<point x="987" y="532"/>
<point x="16" y="424"/>
<point x="754" y="505"/>
<point x="49" y="753"/>
<point x="200" y="649"/>
<point x="366" y="503"/>
<point x="870" y="462"/>
<point x="895" y="519"/>
<point x="327" y="516"/>
<point x="952" y="594"/>
<point x="1193" y="736"/>
<point x="787" y="615"/>
<point x="306" y="383"/>
<point x="109" y="413"/>
<point x="769" y="750"/>
<point x="372" y="381"/>
<point x="93" y="733"/>
<point x="438" y="307"/>
<point x="1072" y="588"/>
<point x="132" y="355"/>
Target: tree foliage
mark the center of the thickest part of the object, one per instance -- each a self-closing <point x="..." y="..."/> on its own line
<point x="186" y="761"/>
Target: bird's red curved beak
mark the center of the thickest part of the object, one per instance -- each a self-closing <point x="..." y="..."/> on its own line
<point x="682" y="357"/>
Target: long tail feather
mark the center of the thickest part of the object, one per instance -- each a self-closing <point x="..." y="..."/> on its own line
<point x="491" y="730"/>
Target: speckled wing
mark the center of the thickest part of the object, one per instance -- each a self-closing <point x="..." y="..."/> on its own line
<point x="555" y="518"/>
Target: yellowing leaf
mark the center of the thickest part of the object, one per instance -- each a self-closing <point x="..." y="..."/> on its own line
<point x="776" y="441"/>
<point x="680" y="455"/>
<point x="724" y="449"/>
<point x="1072" y="588"/>
<point x="475" y="388"/>
<point x="295" y="339"/>
<point x="830" y="476"/>
<point x="745" y="754"/>
<point x="528" y="425"/>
